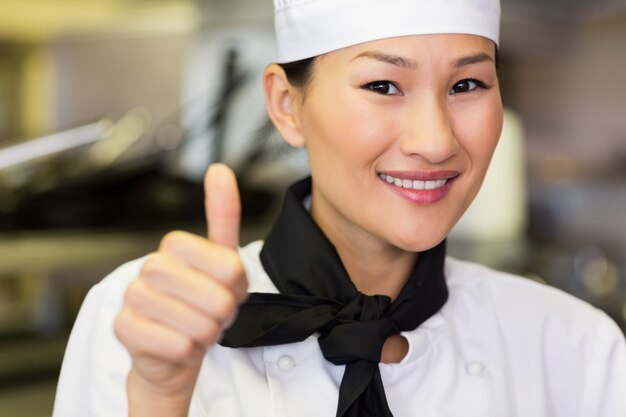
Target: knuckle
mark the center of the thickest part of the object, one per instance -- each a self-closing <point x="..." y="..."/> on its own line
<point x="236" y="263"/>
<point x="153" y="265"/>
<point x="225" y="306"/>
<point x="135" y="296"/>
<point x="235" y="271"/>
<point x="240" y="289"/>
<point x="209" y="333"/>
<point x="122" y="327"/>
<point x="119" y="327"/>
<point x="230" y="322"/>
<point x="173" y="241"/>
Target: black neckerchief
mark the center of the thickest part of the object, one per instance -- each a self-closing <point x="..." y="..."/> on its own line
<point x="317" y="296"/>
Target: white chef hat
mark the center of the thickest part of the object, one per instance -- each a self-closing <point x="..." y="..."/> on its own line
<point x="307" y="28"/>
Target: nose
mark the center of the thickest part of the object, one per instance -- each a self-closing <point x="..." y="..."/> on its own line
<point x="428" y="131"/>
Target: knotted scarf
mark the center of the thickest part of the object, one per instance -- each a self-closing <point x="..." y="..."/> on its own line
<point x="317" y="296"/>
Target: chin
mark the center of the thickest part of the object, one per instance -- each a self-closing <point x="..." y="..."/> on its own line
<point x="417" y="242"/>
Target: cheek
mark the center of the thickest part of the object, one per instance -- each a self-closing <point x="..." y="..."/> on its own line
<point x="342" y="126"/>
<point x="479" y="131"/>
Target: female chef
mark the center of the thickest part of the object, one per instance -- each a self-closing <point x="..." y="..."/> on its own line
<point x="350" y="307"/>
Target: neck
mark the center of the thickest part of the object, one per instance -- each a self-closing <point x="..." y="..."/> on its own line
<point x="376" y="271"/>
<point x="374" y="267"/>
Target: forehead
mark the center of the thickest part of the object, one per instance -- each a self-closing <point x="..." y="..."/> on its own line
<point x="417" y="48"/>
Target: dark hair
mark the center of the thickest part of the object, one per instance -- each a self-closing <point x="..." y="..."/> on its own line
<point x="299" y="73"/>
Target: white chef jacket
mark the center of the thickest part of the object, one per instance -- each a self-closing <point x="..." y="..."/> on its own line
<point x="502" y="346"/>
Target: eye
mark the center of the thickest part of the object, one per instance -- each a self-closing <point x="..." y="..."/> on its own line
<point x="383" y="87"/>
<point x="467" y="85"/>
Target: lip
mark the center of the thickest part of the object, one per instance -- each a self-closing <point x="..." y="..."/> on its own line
<point x="421" y="197"/>
<point x="422" y="175"/>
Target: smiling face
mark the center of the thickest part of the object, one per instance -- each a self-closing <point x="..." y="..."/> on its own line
<point x="399" y="134"/>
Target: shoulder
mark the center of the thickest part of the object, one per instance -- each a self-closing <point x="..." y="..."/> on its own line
<point x="106" y="297"/>
<point x="469" y="282"/>
<point x="119" y="278"/>
<point x="520" y="304"/>
<point x="562" y="346"/>
<point x="93" y="356"/>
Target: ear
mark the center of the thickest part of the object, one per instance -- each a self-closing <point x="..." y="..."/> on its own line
<point x="282" y="100"/>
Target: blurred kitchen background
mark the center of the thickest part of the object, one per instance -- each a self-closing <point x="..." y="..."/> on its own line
<point x="110" y="111"/>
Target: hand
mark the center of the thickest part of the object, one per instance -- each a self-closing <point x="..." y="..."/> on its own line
<point x="187" y="293"/>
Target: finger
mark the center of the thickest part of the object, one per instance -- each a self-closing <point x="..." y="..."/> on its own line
<point x="173" y="313"/>
<point x="180" y="250"/>
<point x="188" y="286"/>
<point x="222" y="205"/>
<point x="144" y="337"/>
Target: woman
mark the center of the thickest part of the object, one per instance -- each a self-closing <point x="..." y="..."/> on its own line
<point x="350" y="307"/>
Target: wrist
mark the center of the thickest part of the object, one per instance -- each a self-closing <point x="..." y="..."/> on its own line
<point x="147" y="399"/>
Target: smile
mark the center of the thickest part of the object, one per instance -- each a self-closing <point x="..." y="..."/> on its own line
<point x="413" y="184"/>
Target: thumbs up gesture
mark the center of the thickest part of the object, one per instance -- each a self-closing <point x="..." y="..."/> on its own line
<point x="187" y="293"/>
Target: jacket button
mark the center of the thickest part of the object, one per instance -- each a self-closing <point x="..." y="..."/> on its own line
<point x="286" y="363"/>
<point x="475" y="368"/>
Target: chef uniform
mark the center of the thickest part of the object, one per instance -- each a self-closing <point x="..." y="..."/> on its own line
<point x="486" y="344"/>
<point x="500" y="346"/>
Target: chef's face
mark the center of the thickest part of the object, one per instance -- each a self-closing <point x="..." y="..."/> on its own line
<point x="399" y="134"/>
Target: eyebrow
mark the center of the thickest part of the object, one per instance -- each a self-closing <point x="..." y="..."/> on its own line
<point x="473" y="59"/>
<point x="388" y="58"/>
<point x="412" y="65"/>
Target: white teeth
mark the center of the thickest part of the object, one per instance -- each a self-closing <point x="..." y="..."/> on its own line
<point x="414" y="184"/>
<point x="419" y="185"/>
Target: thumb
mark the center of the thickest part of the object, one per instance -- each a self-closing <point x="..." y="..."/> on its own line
<point x="222" y="205"/>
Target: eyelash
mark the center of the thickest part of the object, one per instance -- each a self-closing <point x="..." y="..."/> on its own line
<point x="371" y="86"/>
<point x="479" y="84"/>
